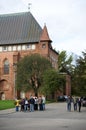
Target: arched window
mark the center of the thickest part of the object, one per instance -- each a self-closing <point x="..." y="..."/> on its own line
<point x="6" y="67"/>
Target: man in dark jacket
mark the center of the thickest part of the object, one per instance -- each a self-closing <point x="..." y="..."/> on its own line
<point x="79" y="104"/>
<point x="31" y="101"/>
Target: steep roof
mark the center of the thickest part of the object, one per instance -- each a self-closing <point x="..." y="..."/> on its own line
<point x="45" y="35"/>
<point x="19" y="28"/>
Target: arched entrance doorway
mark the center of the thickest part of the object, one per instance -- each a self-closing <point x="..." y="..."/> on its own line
<point x="4" y="87"/>
<point x="2" y="96"/>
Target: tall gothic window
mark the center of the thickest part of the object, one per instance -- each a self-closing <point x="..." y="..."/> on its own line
<point x="6" y="67"/>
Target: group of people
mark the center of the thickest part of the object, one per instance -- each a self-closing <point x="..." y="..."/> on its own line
<point x="34" y="103"/>
<point x="38" y="103"/>
<point x="76" y="103"/>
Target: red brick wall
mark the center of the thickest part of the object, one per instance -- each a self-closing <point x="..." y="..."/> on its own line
<point x="13" y="57"/>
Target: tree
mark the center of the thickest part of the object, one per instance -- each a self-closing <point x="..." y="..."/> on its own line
<point x="29" y="72"/>
<point x="65" y="62"/>
<point x="52" y="82"/>
<point x="79" y="76"/>
<point x="65" y="66"/>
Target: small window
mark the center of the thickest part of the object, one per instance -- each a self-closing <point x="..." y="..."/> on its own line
<point x="9" y="48"/>
<point x="0" y="49"/>
<point x="43" y="46"/>
<point x="23" y="47"/>
<point x="33" y="47"/>
<point x="14" y="48"/>
<point x="4" y="48"/>
<point x="19" y="48"/>
<point x="28" y="46"/>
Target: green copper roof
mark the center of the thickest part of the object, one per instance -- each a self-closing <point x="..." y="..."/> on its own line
<point x="19" y="28"/>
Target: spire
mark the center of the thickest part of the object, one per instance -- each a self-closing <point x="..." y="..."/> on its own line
<point x="45" y="35"/>
<point x="29" y="4"/>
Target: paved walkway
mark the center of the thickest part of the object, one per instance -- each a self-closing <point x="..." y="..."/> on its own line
<point x="12" y="110"/>
<point x="7" y="111"/>
<point x="55" y="117"/>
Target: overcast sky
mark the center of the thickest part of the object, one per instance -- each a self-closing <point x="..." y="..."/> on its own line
<point x="65" y="20"/>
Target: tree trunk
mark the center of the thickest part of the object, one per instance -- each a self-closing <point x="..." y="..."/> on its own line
<point x="36" y="92"/>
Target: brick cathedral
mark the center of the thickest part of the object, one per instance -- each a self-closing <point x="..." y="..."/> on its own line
<point x="20" y="35"/>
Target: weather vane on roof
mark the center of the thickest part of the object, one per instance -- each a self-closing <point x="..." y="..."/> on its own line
<point x="29" y="4"/>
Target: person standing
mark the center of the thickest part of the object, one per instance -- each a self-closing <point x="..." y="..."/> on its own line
<point x="75" y="103"/>
<point x="17" y="103"/>
<point x="69" y="100"/>
<point x="26" y="104"/>
<point x="36" y="103"/>
<point x="32" y="102"/>
<point x="43" y="102"/>
<point x="22" y="101"/>
<point x="79" y="104"/>
<point x="40" y="103"/>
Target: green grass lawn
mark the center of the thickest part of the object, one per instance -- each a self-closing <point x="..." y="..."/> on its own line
<point x="6" y="104"/>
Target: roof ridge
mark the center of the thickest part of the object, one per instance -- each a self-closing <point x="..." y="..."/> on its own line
<point x="13" y="14"/>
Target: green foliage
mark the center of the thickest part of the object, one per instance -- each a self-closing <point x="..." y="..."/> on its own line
<point x="29" y="72"/>
<point x="65" y="62"/>
<point x="6" y="104"/>
<point x="52" y="82"/>
<point x="79" y="76"/>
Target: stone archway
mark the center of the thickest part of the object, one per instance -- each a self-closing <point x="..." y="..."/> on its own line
<point x="4" y="87"/>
